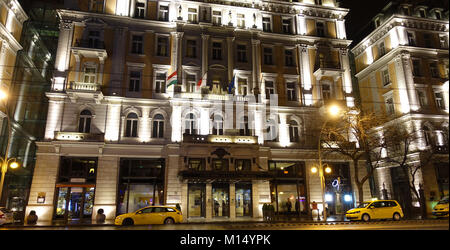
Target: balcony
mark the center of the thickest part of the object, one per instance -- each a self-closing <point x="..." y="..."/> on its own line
<point x="84" y="86"/>
<point x="90" y="49"/>
<point x="87" y="90"/>
<point x="76" y="136"/>
<point x="237" y="139"/>
<point x="92" y="44"/>
<point x="328" y="68"/>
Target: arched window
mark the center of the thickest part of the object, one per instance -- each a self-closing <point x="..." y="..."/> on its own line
<point x="84" y="124"/>
<point x="427" y="135"/>
<point x="131" y="125"/>
<point x="294" y="131"/>
<point x="191" y="126"/>
<point x="217" y="124"/>
<point x="244" y="128"/>
<point x="158" y="126"/>
<point x="271" y="130"/>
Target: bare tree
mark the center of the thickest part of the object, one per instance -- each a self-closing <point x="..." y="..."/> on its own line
<point x="353" y="137"/>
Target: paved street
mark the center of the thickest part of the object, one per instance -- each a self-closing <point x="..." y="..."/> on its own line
<point x="431" y="224"/>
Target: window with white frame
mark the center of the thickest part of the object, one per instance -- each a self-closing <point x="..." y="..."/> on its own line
<point x="160" y="83"/>
<point x="243" y="87"/>
<point x="389" y="104"/>
<point x="267" y="24"/>
<point x="90" y="74"/>
<point x="268" y="55"/>
<point x="217" y="51"/>
<point x="381" y="49"/>
<point x="289" y="57"/>
<point x="94" y="40"/>
<point x="270" y="89"/>
<point x="271" y="130"/>
<point x="162" y="46"/>
<point x="190" y="83"/>
<point x="217" y="124"/>
<point x="190" y="124"/>
<point x="438" y="15"/>
<point x="427" y="135"/>
<point x="241" y="53"/>
<point x="158" y="126"/>
<point x="84" y="123"/>
<point x="139" y="11"/>
<point x="439" y="99"/>
<point x="422" y="13"/>
<point x="411" y="38"/>
<point x="290" y="91"/>
<point x="240" y="21"/>
<point x="294" y="129"/>
<point x="421" y="94"/>
<point x="163" y="12"/>
<point x="191" y="48"/>
<point x="192" y="15"/>
<point x="135" y="81"/>
<point x="217" y="17"/>
<point x="386" y="78"/>
<point x="137" y="44"/>
<point x="434" y="70"/>
<point x="131" y="126"/>
<point x="287" y="25"/>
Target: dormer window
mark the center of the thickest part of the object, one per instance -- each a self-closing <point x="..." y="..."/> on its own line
<point x="318" y="2"/>
<point x="406" y="11"/>
<point x="377" y="22"/>
<point x="438" y="15"/>
<point x="422" y="13"/>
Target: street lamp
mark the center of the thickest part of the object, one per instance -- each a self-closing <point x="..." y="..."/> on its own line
<point x="331" y="111"/>
<point x="5" y="161"/>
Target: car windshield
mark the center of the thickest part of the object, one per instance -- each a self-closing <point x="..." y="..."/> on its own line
<point x="364" y="204"/>
<point x="444" y="200"/>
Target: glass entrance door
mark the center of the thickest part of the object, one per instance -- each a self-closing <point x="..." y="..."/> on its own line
<point x="221" y="204"/>
<point x="196" y="200"/>
<point x="74" y="202"/>
<point x="243" y="199"/>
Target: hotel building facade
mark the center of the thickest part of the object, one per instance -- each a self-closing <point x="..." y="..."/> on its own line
<point x="402" y="68"/>
<point x="119" y="138"/>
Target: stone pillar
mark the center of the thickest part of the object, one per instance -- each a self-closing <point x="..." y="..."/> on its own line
<point x="256" y="69"/>
<point x="106" y="186"/>
<point x="55" y="110"/>
<point x="118" y="60"/>
<point x="230" y="59"/>
<point x="62" y="54"/>
<point x="43" y="183"/>
<point x="346" y="78"/>
<point x="232" y="201"/>
<point x="255" y="198"/>
<point x="205" y="45"/>
<point x="305" y="73"/>
<point x="402" y="85"/>
<point x="408" y="74"/>
<point x="209" y="201"/>
<point x="173" y="185"/>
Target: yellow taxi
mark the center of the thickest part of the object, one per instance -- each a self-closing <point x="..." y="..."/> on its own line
<point x="441" y="209"/>
<point x="378" y="209"/>
<point x="150" y="215"/>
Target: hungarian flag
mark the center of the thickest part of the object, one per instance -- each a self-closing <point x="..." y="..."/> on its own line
<point x="202" y="82"/>
<point x="172" y="79"/>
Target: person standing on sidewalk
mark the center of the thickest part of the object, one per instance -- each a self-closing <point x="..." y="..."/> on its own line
<point x="32" y="218"/>
<point x="101" y="217"/>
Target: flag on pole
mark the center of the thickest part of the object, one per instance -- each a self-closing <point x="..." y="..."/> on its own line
<point x="172" y="79"/>
<point x="202" y="82"/>
<point x="231" y="86"/>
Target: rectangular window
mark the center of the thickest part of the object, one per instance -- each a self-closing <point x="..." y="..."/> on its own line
<point x="94" y="39"/>
<point x="320" y="29"/>
<point x="438" y="96"/>
<point x="135" y="81"/>
<point x="97" y="6"/>
<point x="270" y="90"/>
<point x="241" y="21"/>
<point x="90" y="74"/>
<point x="288" y="57"/>
<point x="267" y="27"/>
<point x="217" y="17"/>
<point x="416" y="67"/>
<point x="190" y="83"/>
<point x="164" y="13"/>
<point x="434" y="70"/>
<point x="386" y="79"/>
<point x="192" y="15"/>
<point x="422" y="98"/>
<point x="427" y="40"/>
<point x="268" y="56"/>
<point x="197" y="164"/>
<point x="326" y="92"/>
<point x="287" y="25"/>
<point x="243" y="88"/>
<point x="136" y="45"/>
<point x="290" y="88"/>
<point x="140" y="10"/>
<point x="217" y="51"/>
<point x="160" y="83"/>
<point x="389" y="106"/>
<point x="438" y="15"/>
<point x="422" y="13"/>
<point x="243" y="165"/>
<point x="443" y="42"/>
<point x="241" y="53"/>
<point x="411" y="38"/>
<point x="191" y="50"/>
<point x="382" y="49"/>
<point x="406" y="11"/>
<point x="162" y="46"/>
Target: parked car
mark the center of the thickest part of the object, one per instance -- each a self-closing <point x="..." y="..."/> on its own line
<point x="6" y="216"/>
<point x="441" y="208"/>
<point x="150" y="215"/>
<point x="379" y="209"/>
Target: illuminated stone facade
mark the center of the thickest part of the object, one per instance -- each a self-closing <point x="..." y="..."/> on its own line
<point x="403" y="69"/>
<point x="110" y="101"/>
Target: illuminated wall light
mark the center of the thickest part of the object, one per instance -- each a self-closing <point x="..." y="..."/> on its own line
<point x="348" y="198"/>
<point x="328" y="197"/>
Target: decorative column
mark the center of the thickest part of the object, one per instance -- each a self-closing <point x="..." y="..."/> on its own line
<point x="230" y="59"/>
<point x="205" y="42"/>
<point x="256" y="69"/>
<point x="401" y="84"/>
<point x="346" y="78"/>
<point x="305" y="73"/>
<point x="118" y="60"/>
<point x="408" y="74"/>
<point x="62" y="54"/>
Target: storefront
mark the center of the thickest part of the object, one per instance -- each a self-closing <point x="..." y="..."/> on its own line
<point x="75" y="188"/>
<point x="141" y="184"/>
<point x="288" y="187"/>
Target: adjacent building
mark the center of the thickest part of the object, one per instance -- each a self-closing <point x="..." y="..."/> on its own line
<point x="402" y="68"/>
